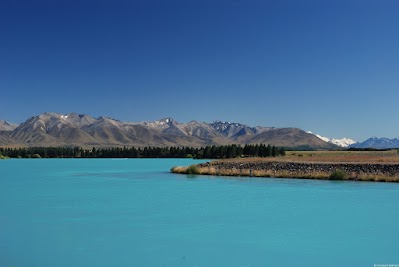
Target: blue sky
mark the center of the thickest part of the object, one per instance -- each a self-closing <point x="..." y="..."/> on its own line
<point x="331" y="67"/>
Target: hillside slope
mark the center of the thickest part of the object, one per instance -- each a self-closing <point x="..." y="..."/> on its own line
<point x="53" y="129"/>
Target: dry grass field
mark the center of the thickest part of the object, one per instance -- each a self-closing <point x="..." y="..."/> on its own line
<point x="371" y="157"/>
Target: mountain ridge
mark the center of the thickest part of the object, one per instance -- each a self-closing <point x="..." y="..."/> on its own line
<point x="378" y="143"/>
<point x="72" y="129"/>
<point x="7" y="126"/>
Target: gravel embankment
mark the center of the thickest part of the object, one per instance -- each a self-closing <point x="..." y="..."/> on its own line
<point x="307" y="168"/>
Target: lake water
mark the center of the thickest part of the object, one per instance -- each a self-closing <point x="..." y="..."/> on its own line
<point x="104" y="212"/>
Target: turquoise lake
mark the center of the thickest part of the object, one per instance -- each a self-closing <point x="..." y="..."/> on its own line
<point x="134" y="212"/>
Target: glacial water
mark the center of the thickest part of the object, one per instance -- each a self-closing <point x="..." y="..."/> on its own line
<point x="133" y="212"/>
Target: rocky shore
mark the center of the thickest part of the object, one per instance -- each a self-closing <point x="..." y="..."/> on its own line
<point x="307" y="168"/>
<point x="350" y="171"/>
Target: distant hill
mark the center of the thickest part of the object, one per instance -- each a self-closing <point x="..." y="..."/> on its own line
<point x="53" y="129"/>
<point x="378" y="143"/>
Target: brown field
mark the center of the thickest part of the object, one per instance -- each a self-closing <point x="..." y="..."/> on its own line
<point x="383" y="157"/>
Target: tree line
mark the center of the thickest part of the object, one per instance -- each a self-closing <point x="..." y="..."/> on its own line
<point x="208" y="152"/>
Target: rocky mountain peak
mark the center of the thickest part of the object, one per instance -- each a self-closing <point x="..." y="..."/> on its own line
<point x="7" y="126"/>
<point x="168" y="121"/>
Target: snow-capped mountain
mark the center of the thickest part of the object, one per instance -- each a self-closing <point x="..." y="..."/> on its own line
<point x="378" y="143"/>
<point x="342" y="142"/>
<point x="234" y="130"/>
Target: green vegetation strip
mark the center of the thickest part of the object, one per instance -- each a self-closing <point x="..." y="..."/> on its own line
<point x="208" y="152"/>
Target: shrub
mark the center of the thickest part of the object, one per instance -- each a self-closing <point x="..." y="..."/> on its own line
<point x="338" y="175"/>
<point x="192" y="169"/>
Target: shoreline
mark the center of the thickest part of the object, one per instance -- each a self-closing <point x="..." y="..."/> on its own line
<point x="370" y="172"/>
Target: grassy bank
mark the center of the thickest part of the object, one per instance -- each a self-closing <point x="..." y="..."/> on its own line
<point x="380" y="166"/>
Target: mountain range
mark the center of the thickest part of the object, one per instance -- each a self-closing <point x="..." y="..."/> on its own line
<point x="373" y="142"/>
<point x="378" y="143"/>
<point x="54" y="129"/>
